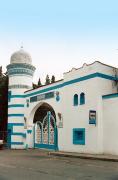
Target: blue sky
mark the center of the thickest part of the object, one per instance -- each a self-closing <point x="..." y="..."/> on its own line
<point x="60" y="34"/>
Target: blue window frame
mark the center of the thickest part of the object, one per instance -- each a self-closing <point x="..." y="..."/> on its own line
<point x="75" y="100"/>
<point x="79" y="136"/>
<point x="82" y="98"/>
<point x="92" y="117"/>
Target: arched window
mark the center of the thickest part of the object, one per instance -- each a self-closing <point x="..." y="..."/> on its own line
<point x="82" y="98"/>
<point x="75" y="100"/>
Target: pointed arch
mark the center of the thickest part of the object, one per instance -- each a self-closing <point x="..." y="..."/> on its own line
<point x="82" y="98"/>
<point x="75" y="100"/>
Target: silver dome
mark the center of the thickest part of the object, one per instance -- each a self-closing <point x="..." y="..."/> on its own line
<point x="21" y="56"/>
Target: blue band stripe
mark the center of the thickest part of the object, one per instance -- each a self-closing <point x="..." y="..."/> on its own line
<point x="90" y="76"/>
<point x="47" y="146"/>
<point x="10" y="127"/>
<point x="15" y="124"/>
<point x="110" y="96"/>
<point x="15" y="115"/>
<point x="17" y="96"/>
<point x="17" y="134"/>
<point x="94" y="75"/>
<point x="15" y="105"/>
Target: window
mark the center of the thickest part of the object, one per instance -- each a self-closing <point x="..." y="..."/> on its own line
<point x="79" y="136"/>
<point x="75" y="100"/>
<point x="33" y="99"/>
<point x="82" y="98"/>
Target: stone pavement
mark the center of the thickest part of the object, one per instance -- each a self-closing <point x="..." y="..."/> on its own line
<point x="37" y="164"/>
<point x="104" y="157"/>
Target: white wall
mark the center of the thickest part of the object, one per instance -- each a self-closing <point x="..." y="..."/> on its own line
<point x="78" y="117"/>
<point x="110" y="125"/>
<point x="20" y="79"/>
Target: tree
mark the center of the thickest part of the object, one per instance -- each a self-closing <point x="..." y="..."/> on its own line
<point x="39" y="82"/>
<point x="34" y="86"/>
<point x="3" y="102"/>
<point x="53" y="79"/>
<point x="47" y="80"/>
<point x="1" y="74"/>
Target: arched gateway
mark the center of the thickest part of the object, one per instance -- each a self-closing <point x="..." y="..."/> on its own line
<point x="45" y="129"/>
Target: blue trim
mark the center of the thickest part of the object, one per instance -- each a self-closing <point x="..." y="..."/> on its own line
<point x="18" y="134"/>
<point x="75" y="100"/>
<point x="57" y="98"/>
<point x="82" y="98"/>
<point x="20" y="65"/>
<point x="17" y="143"/>
<point x="29" y="131"/>
<point x="18" y="68"/>
<point x="21" y="72"/>
<point x="34" y="136"/>
<point x="10" y="126"/>
<point x="56" y="138"/>
<point x="92" y="121"/>
<point x="90" y="76"/>
<point x="48" y="116"/>
<point x="15" y="124"/>
<point x="44" y="90"/>
<point x="17" y="96"/>
<point x="10" y="133"/>
<point x="15" y="115"/>
<point x="15" y="105"/>
<point x="46" y="146"/>
<point x="24" y="135"/>
<point x="105" y="76"/>
<point x="108" y="96"/>
<point x="77" y="138"/>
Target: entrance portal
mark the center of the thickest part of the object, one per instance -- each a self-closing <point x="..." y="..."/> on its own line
<point x="45" y="127"/>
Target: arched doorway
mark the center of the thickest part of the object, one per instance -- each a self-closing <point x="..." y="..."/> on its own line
<point x="45" y="127"/>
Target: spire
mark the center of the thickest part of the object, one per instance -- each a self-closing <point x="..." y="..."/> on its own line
<point x="21" y="45"/>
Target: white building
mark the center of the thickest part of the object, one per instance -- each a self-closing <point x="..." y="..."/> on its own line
<point x="76" y="114"/>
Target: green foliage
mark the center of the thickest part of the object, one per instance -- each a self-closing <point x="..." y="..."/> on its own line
<point x="3" y="100"/>
<point x="34" y="86"/>
<point x="39" y="82"/>
<point x="1" y="71"/>
<point x="47" y="81"/>
<point x="53" y="79"/>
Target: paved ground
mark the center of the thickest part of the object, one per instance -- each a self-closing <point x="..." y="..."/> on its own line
<point x="38" y="165"/>
<point x="104" y="157"/>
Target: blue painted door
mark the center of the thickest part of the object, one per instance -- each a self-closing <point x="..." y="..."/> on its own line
<point x="46" y="133"/>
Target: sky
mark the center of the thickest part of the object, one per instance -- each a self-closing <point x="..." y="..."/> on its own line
<point x="59" y="34"/>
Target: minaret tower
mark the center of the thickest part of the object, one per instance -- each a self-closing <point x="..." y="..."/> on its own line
<point x="20" y="73"/>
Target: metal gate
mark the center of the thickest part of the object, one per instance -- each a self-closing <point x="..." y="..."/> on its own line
<point x="46" y="133"/>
